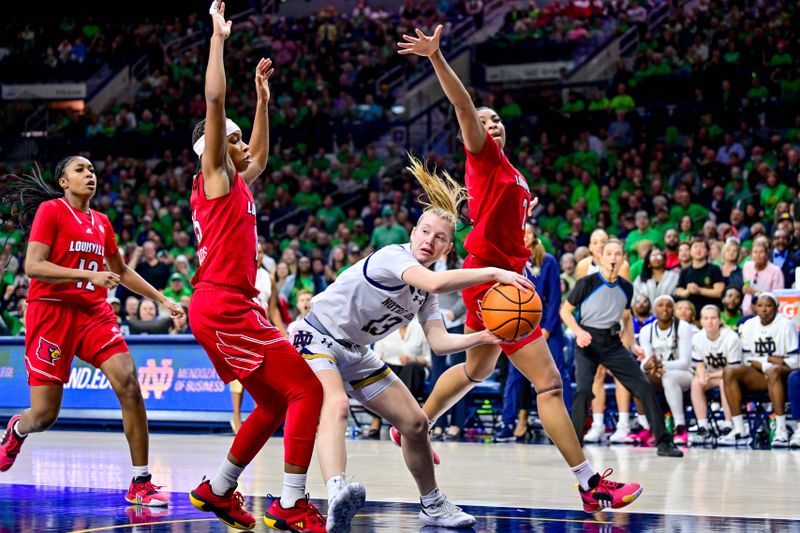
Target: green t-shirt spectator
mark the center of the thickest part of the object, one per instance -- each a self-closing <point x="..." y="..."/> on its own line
<point x="587" y="160"/>
<point x="15" y="325"/>
<point x="600" y="105"/>
<point x="771" y="196"/>
<point x="730" y="320"/>
<point x="757" y="93"/>
<point x="332" y="216"/>
<point x="696" y="213"/>
<point x="511" y="110"/>
<point x="385" y="235"/>
<point x="779" y="60"/>
<point x="591" y="192"/>
<point x="573" y="107"/>
<point x="307" y="200"/>
<point x="188" y="251"/>
<point x="622" y="102"/>
<point x="13" y="238"/>
<point x="635" y="237"/>
<point x="636" y="268"/>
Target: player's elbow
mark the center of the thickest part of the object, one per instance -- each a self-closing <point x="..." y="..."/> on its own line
<point x="32" y="266"/>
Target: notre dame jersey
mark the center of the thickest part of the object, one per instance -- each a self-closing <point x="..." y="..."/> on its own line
<point x="779" y="338"/>
<point x="369" y="300"/>
<point x="715" y="355"/>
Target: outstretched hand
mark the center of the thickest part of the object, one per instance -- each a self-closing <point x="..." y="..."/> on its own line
<point x="222" y="27"/>
<point x="264" y="71"/>
<point x="487" y="337"/>
<point x="421" y="45"/>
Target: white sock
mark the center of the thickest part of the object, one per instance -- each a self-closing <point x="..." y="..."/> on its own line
<point x="598" y="419"/>
<point x="226" y="478"/>
<point x="335" y="486"/>
<point x="643" y="421"/>
<point x="680" y="419"/>
<point x="738" y="424"/>
<point x="780" y="422"/>
<point x="139" y="471"/>
<point x="294" y="488"/>
<point x="584" y="472"/>
<point x="702" y="422"/>
<point x="624" y="419"/>
<point x="17" y="432"/>
<point x="432" y="498"/>
<point x="726" y="424"/>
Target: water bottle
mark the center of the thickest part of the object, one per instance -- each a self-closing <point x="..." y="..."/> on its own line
<point x="772" y="425"/>
<point x="669" y="422"/>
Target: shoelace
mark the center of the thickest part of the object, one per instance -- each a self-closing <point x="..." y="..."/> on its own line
<point x="312" y="513"/>
<point x="605" y="484"/>
<point x="238" y="498"/>
<point x="148" y="488"/>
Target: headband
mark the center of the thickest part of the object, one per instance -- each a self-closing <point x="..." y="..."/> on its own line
<point x="230" y="127"/>
<point x="664" y="297"/>
<point x="768" y="295"/>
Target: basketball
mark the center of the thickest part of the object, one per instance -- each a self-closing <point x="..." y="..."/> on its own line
<point x="509" y="312"/>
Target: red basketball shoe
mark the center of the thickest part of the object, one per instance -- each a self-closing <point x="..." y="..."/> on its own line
<point x="143" y="492"/>
<point x="301" y="518"/>
<point x="228" y="508"/>
<point x="609" y="494"/>
<point x="10" y="445"/>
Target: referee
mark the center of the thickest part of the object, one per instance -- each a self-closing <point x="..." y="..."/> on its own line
<point x="602" y="300"/>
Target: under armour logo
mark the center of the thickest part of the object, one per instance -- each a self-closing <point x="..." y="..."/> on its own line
<point x="418" y="298"/>
<point x="302" y="339"/>
<point x="326" y="342"/>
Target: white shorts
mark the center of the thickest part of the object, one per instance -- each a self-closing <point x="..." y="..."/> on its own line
<point x="362" y="371"/>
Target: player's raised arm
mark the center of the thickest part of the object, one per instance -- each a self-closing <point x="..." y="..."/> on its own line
<point x="216" y="169"/>
<point x="472" y="130"/>
<point x="259" y="140"/>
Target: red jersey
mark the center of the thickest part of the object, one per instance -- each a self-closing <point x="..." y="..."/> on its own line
<point x="225" y="228"/>
<point x="76" y="240"/>
<point x="499" y="199"/>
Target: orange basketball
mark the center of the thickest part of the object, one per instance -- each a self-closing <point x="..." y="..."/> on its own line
<point x="509" y="312"/>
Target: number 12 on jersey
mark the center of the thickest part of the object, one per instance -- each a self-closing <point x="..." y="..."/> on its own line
<point x="93" y="266"/>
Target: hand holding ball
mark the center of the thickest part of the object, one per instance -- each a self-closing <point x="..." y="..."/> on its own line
<point x="510" y="313"/>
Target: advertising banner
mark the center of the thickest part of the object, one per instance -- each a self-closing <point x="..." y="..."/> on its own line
<point x="175" y="374"/>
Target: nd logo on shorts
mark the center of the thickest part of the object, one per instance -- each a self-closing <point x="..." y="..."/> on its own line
<point x="48" y="351"/>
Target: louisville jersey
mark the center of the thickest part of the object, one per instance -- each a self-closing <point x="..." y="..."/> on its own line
<point x="225" y="228"/>
<point x="499" y="199"/>
<point x="778" y="338"/>
<point x="369" y="300"/>
<point x="76" y="240"/>
<point x="717" y="354"/>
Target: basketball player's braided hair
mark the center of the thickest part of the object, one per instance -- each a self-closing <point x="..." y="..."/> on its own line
<point x="444" y="195"/>
<point x="24" y="193"/>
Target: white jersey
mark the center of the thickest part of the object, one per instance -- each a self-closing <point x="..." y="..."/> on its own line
<point x="369" y="300"/>
<point x="592" y="269"/>
<point x="779" y="339"/>
<point x="672" y="346"/>
<point x="715" y="355"/>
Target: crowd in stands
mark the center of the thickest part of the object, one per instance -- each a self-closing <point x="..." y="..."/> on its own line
<point x="709" y="173"/>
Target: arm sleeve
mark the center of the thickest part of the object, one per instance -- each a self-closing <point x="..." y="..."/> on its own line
<point x="552" y="290"/>
<point x="111" y="240"/>
<point x="430" y="309"/>
<point x="386" y="266"/>
<point x="45" y="224"/>
<point x="684" y="360"/>
<point x="484" y="163"/>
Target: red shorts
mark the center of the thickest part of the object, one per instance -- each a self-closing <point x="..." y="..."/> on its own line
<point x="233" y="329"/>
<point x="56" y="332"/>
<point x="472" y="301"/>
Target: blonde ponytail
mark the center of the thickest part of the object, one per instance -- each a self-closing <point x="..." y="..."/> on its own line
<point x="444" y="195"/>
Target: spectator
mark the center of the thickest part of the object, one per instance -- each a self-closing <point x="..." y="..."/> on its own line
<point x="268" y="292"/>
<point x="732" y="308"/>
<point x="701" y="283"/>
<point x="655" y="279"/>
<point x="180" y="325"/>
<point x="388" y="231"/>
<point x="152" y="268"/>
<point x="784" y="258"/>
<point x="671" y="244"/>
<point x="304" y="278"/>
<point x="759" y="274"/>
<point x="731" y="271"/>
<point x="177" y="289"/>
<point x="303" y="306"/>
